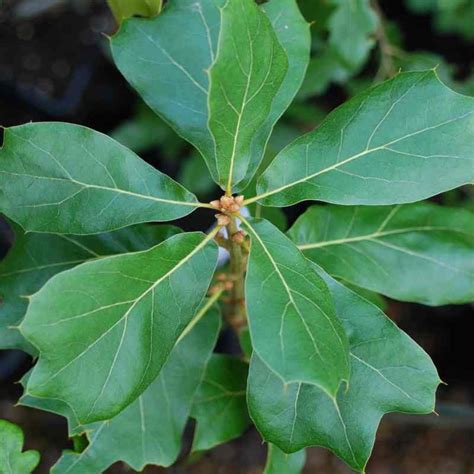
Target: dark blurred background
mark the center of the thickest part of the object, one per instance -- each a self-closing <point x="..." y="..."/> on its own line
<point x="55" y="65"/>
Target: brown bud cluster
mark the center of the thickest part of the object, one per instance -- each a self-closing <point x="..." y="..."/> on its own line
<point x="238" y="237"/>
<point x="228" y="204"/>
<point x="222" y="219"/>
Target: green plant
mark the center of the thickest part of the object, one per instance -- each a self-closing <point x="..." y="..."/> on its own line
<point x="12" y="459"/>
<point x="123" y="332"/>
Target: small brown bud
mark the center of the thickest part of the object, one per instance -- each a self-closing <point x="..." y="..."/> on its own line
<point x="222" y="219"/>
<point x="226" y="201"/>
<point x="234" y="208"/>
<point x="238" y="237"/>
<point x="222" y="277"/>
<point x="216" y="204"/>
<point x="239" y="200"/>
<point x="228" y="285"/>
<point x="213" y="290"/>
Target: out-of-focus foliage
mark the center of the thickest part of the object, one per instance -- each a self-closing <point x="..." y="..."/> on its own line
<point x="123" y="9"/>
<point x="145" y="130"/>
<point x="334" y="58"/>
<point x="449" y="16"/>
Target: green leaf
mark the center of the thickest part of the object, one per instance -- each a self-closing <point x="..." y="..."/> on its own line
<point x="63" y="178"/>
<point x="12" y="459"/>
<point x="105" y="329"/>
<point x="245" y="343"/>
<point x="279" y="462"/>
<point x="388" y="145"/>
<point x="145" y="130"/>
<point x="126" y="8"/>
<point x="291" y="315"/>
<point x="292" y="32"/>
<point x="220" y="408"/>
<point x="171" y="75"/>
<point x="35" y="258"/>
<point x="416" y="252"/>
<point x="351" y="31"/>
<point x="272" y="214"/>
<point x="149" y="431"/>
<point x="374" y="298"/>
<point x="249" y="69"/>
<point x="389" y="372"/>
<point x="194" y="175"/>
<point x="323" y="69"/>
<point x="174" y="79"/>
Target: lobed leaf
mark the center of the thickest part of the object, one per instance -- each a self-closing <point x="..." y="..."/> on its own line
<point x="149" y="431"/>
<point x="415" y="252"/>
<point x="404" y="140"/>
<point x="35" y="258"/>
<point x="292" y="321"/>
<point x="220" y="408"/>
<point x="12" y="459"/>
<point x="68" y="179"/>
<point x="105" y="329"/>
<point x="279" y="462"/>
<point x="389" y="372"/>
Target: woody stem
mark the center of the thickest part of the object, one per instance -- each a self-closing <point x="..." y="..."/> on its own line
<point x="237" y="317"/>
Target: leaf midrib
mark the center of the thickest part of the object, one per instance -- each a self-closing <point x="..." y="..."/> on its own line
<point x="377" y="235"/>
<point x="102" y="188"/>
<point x="352" y="158"/>
<point x="198" y="248"/>
<point x="290" y="296"/>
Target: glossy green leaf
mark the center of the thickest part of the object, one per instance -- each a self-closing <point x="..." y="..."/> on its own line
<point x="375" y="298"/>
<point x="249" y="69"/>
<point x="149" y="431"/>
<point x="126" y="8"/>
<point x="352" y="29"/>
<point x="290" y="311"/>
<point x="404" y="140"/>
<point x="415" y="252"/>
<point x="12" y="459"/>
<point x="105" y="329"/>
<point x="292" y="32"/>
<point x="35" y="258"/>
<point x="389" y="372"/>
<point x="63" y="178"/>
<point x="220" y="408"/>
<point x="279" y="462"/>
<point x="171" y="75"/>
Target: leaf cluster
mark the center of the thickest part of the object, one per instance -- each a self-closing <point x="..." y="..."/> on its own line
<point x="124" y="315"/>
